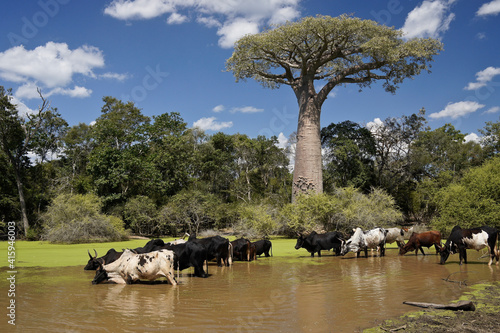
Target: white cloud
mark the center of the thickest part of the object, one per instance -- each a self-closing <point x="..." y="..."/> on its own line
<point x="219" y="108"/>
<point x="483" y="77"/>
<point x="29" y="91"/>
<point x="246" y="109"/>
<point x="209" y="22"/>
<point x="53" y="64"/>
<point x="211" y="124"/>
<point x="176" y="18"/>
<point x="233" y="18"/>
<point x="114" y="76"/>
<point x="457" y="110"/>
<point x="232" y="31"/>
<point x="282" y="140"/>
<point x="472" y="137"/>
<point x="494" y="109"/>
<point x="490" y="8"/>
<point x="21" y="107"/>
<point x="77" y="91"/>
<point x="430" y="19"/>
<point x="374" y="125"/>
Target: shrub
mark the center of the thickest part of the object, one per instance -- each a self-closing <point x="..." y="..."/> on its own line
<point x="142" y="215"/>
<point x="256" y="221"/>
<point x="78" y="219"/>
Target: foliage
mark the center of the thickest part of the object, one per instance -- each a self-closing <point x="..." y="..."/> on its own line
<point x="141" y="215"/>
<point x="78" y="219"/>
<point x="471" y="202"/>
<point x="256" y="220"/>
<point x="350" y="149"/>
<point x="346" y="209"/>
<point x="192" y="209"/>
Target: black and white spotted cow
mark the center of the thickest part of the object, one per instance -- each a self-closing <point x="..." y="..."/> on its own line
<point x="476" y="238"/>
<point x="363" y="240"/>
<point x="131" y="267"/>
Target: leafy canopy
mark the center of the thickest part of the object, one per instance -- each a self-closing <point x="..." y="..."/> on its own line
<point x="341" y="49"/>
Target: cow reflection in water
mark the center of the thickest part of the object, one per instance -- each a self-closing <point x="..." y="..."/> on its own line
<point x="130" y="303"/>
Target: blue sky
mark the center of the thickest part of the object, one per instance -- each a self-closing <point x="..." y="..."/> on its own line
<point x="169" y="56"/>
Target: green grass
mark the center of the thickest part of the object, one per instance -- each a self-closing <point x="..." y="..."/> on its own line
<point x="45" y="254"/>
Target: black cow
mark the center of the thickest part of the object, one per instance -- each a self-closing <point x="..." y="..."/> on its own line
<point x="189" y="254"/>
<point x="217" y="247"/>
<point x="476" y="238"/>
<point x="152" y="245"/>
<point x="262" y="247"/>
<point x="108" y="258"/>
<point x="315" y="242"/>
<point x="241" y="249"/>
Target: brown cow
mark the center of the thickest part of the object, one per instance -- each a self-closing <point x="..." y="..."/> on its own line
<point x="417" y="241"/>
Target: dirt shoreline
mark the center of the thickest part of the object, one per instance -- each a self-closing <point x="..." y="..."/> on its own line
<point x="486" y="317"/>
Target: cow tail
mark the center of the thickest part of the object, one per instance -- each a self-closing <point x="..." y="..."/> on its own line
<point x="271" y="249"/>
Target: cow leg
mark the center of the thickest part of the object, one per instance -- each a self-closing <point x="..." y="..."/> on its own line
<point x="366" y="252"/>
<point x="319" y="253"/>
<point x="421" y="250"/>
<point x="312" y="254"/>
<point x="382" y="250"/>
<point x="437" y="247"/>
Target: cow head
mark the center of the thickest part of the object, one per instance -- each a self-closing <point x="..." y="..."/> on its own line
<point x="345" y="247"/>
<point x="100" y="275"/>
<point x="300" y="241"/>
<point x="93" y="263"/>
<point x="445" y="252"/>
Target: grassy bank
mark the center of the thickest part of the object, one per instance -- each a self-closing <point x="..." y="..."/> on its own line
<point x="486" y="298"/>
<point x="45" y="254"/>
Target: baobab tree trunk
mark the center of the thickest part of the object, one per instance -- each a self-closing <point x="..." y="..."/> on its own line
<point x="308" y="171"/>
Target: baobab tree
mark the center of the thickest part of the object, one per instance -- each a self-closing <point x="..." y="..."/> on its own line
<point x="334" y="51"/>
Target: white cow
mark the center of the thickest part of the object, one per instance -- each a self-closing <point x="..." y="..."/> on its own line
<point x="395" y="235"/>
<point x="132" y="267"/>
<point x="363" y="240"/>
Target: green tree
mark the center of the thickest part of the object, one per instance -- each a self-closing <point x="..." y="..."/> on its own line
<point x="336" y="51"/>
<point x="491" y="138"/>
<point x="172" y="154"/>
<point x="78" y="219"/>
<point x="37" y="132"/>
<point x="350" y="151"/>
<point x="471" y="202"/>
<point x="117" y="161"/>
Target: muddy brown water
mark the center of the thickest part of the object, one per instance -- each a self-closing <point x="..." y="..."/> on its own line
<point x="277" y="294"/>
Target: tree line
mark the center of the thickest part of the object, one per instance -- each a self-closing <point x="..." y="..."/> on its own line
<point x="155" y="176"/>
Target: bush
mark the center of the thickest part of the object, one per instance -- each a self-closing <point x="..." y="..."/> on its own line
<point x="78" y="219"/>
<point x="473" y="201"/>
<point x="346" y="209"/>
<point x="256" y="221"/>
<point x="142" y="215"/>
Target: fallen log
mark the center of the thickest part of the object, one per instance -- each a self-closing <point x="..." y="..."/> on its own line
<point x="459" y="306"/>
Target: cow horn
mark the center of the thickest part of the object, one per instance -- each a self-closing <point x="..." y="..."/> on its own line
<point x="90" y="254"/>
<point x="95" y="253"/>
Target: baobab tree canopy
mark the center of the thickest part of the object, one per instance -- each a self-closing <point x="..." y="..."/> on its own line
<point x="336" y="51"/>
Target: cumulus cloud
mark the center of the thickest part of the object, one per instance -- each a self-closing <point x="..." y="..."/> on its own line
<point x="246" y="109"/>
<point x="483" y="77"/>
<point x="490" y="8"/>
<point x="176" y="18"/>
<point x="457" y="110"/>
<point x="492" y="110"/>
<point x="430" y="19"/>
<point x="282" y="140"/>
<point x="472" y="137"/>
<point x="210" y="123"/>
<point x="53" y="64"/>
<point x="219" y="108"/>
<point x="233" y="18"/>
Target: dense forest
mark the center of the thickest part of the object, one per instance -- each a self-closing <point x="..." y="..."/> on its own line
<point x="129" y="173"/>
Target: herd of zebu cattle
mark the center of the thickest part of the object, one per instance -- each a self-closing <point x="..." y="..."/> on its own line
<point x="159" y="259"/>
